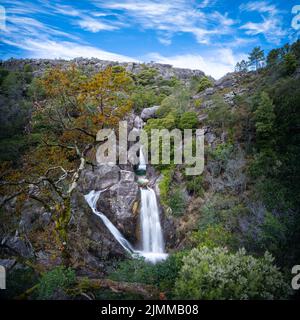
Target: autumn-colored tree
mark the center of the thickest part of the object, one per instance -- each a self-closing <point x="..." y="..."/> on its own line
<point x="66" y="120"/>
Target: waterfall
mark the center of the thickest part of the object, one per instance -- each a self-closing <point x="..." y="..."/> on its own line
<point x="152" y="236"/>
<point x="92" y="198"/>
<point x="142" y="164"/>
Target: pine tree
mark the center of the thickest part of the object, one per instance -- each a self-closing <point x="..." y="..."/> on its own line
<point x="256" y="57"/>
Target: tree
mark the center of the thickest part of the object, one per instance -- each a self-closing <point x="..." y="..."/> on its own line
<point x="217" y="274"/>
<point x="66" y="120"/>
<point x="241" y="66"/>
<point x="273" y="57"/>
<point x="264" y="116"/>
<point x="290" y="63"/>
<point x="256" y="57"/>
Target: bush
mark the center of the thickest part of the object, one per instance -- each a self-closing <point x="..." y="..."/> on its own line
<point x="18" y="281"/>
<point x="145" y="98"/>
<point x="194" y="185"/>
<point x="164" y="185"/>
<point x="204" y="83"/>
<point x="178" y="102"/>
<point x="188" y="120"/>
<point x="217" y="274"/>
<point x="162" y="275"/>
<point x="58" y="278"/>
<point x="212" y="236"/>
<point x="177" y="202"/>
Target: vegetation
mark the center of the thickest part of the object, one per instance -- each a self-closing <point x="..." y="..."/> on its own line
<point x="59" y="278"/>
<point x="247" y="197"/>
<point x="217" y="274"/>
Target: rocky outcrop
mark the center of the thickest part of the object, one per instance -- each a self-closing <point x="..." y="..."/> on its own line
<point x="98" y="178"/>
<point x="91" y="245"/>
<point x="93" y="65"/>
<point x="148" y="113"/>
<point x="117" y="204"/>
<point x="18" y="246"/>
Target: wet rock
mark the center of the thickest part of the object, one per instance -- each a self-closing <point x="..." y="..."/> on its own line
<point x="91" y="245"/>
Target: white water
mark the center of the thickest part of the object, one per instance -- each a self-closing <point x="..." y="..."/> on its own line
<point x="92" y="198"/>
<point x="142" y="164"/>
<point x="152" y="236"/>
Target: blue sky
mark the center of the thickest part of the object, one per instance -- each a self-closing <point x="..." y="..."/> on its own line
<point x="210" y="35"/>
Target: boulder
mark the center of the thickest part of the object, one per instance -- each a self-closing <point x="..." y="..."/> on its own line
<point x="17" y="245"/>
<point x="148" y="113"/>
<point x="229" y="80"/>
<point x="91" y="244"/>
<point x="209" y="91"/>
<point x="117" y="203"/>
<point x="98" y="178"/>
<point x="229" y="97"/>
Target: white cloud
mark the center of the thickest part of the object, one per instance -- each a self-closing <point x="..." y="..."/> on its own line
<point x="65" y="50"/>
<point x="216" y="63"/>
<point x="259" y="6"/>
<point x="271" y="25"/>
<point x="66" y="10"/>
<point x="93" y="25"/>
<point x="173" y="17"/>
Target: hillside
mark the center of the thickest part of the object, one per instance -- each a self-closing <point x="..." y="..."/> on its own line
<point x="240" y="217"/>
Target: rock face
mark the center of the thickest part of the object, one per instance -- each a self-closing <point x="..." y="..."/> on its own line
<point x="93" y="65"/>
<point x="120" y="191"/>
<point x="98" y="178"/>
<point x="117" y="204"/>
<point x="148" y="113"/>
<point x="91" y="245"/>
<point x="18" y="246"/>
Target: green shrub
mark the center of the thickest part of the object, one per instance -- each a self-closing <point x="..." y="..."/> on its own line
<point x="177" y="202"/>
<point x="144" y="98"/>
<point x="217" y="274"/>
<point x="58" y="278"/>
<point x="188" y="120"/>
<point x="194" y="185"/>
<point x="178" y="102"/>
<point x="204" y="83"/>
<point x="165" y="184"/>
<point x="212" y="236"/>
<point x="221" y="115"/>
<point x="162" y="275"/>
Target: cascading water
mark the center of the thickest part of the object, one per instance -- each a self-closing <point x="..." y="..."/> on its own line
<point x="152" y="236"/>
<point x="92" y="198"/>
